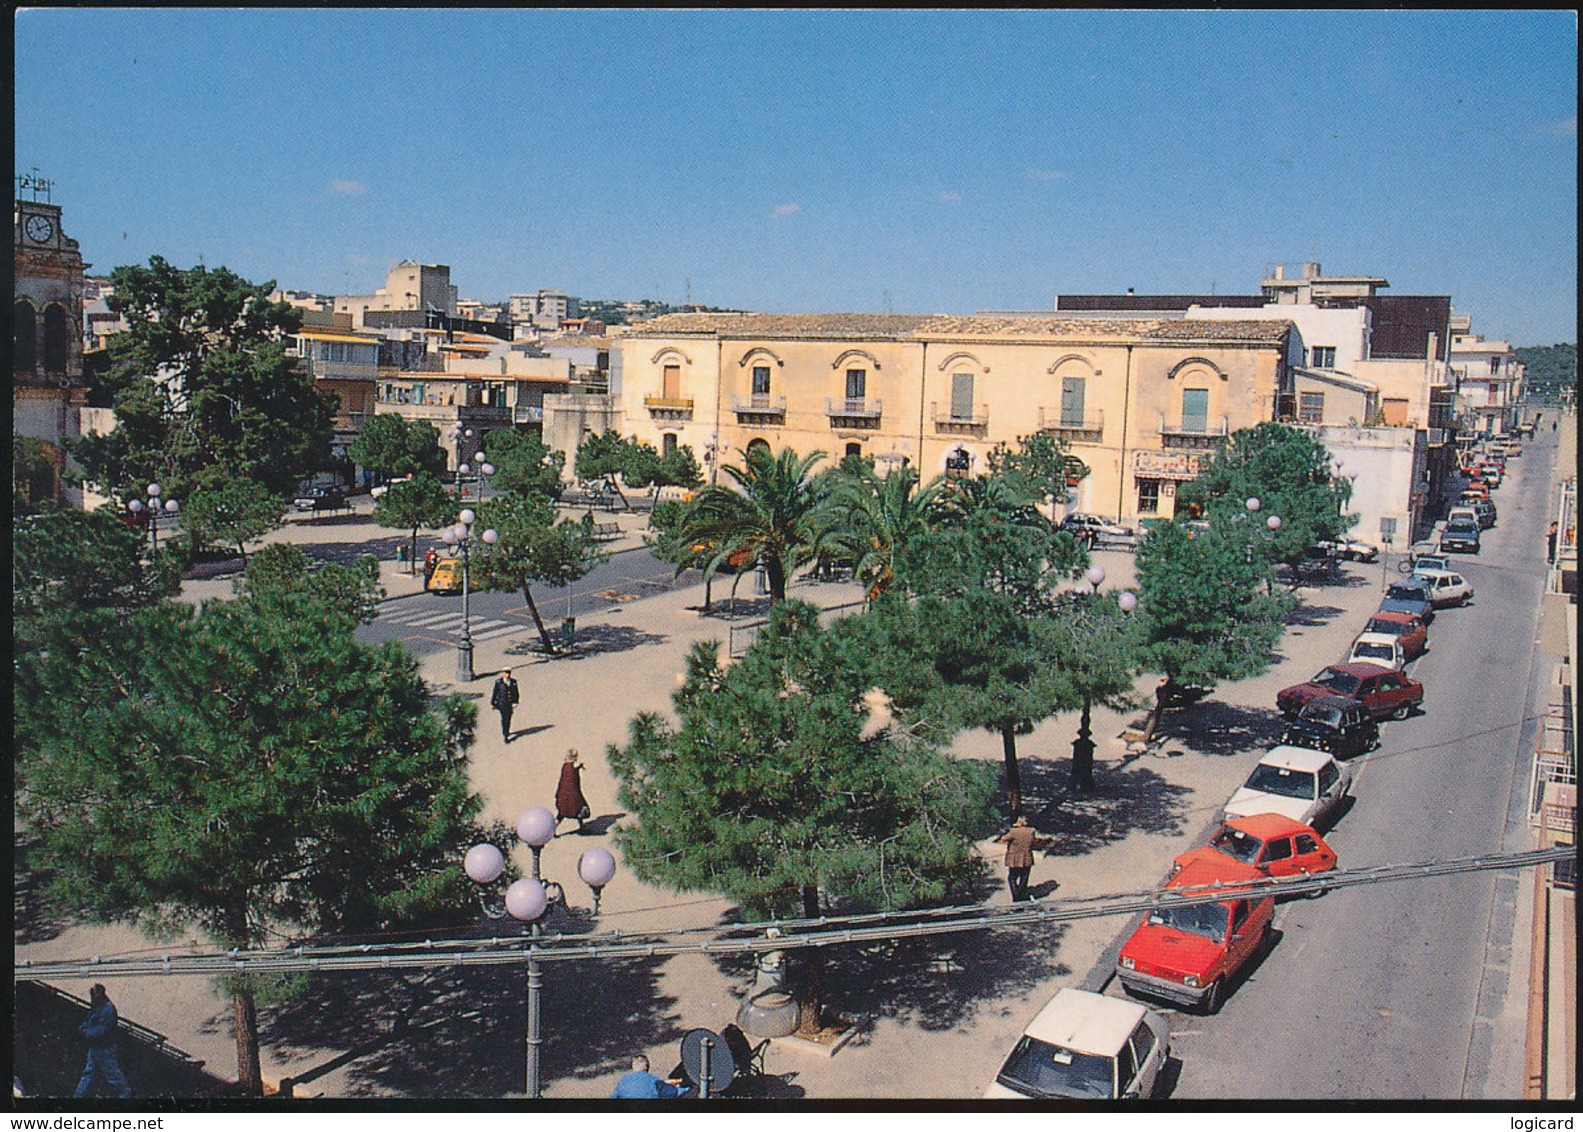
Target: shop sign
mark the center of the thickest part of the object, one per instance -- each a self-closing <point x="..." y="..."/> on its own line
<point x="1166" y="465"/>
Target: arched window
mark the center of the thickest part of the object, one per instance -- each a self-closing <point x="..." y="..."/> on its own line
<point x="55" y="339"/>
<point x="24" y="337"/>
<point x="758" y="444"/>
<point x="668" y="444"/>
<point x="855" y="449"/>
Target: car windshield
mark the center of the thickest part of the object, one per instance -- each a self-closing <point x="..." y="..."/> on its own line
<point x="1343" y="682"/>
<point x="1409" y="590"/>
<point x="1235" y="843"/>
<point x="1382" y="652"/>
<point x="1283" y="781"/>
<point x="1318" y="713"/>
<point x="1461" y="527"/>
<point x="1207" y="920"/>
<point x="1040" y="1069"/>
<point x="1393" y="628"/>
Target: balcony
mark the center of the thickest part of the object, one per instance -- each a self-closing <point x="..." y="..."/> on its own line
<point x="669" y="408"/>
<point x="852" y="412"/>
<point x="1194" y="433"/>
<point x="955" y="422"/>
<point x="1089" y="429"/>
<point x="758" y="408"/>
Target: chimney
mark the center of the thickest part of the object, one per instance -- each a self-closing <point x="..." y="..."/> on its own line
<point x="1310" y="270"/>
<point x="1280" y="271"/>
<point x="1129" y="290"/>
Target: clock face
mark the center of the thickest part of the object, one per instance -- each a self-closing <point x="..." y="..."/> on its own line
<point x="39" y="228"/>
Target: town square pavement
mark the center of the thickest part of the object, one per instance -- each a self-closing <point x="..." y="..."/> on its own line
<point x="935" y="1016"/>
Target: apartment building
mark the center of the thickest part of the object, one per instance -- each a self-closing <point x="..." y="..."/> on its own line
<point x="1138" y="400"/>
<point x="409" y="286"/>
<point x="345" y="368"/>
<point x="1488" y="380"/>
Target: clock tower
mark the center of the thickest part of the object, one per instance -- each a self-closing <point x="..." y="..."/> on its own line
<point x="47" y="387"/>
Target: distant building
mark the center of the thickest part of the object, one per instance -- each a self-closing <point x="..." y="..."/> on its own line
<point x="1489" y="380"/>
<point x="408" y="286"/>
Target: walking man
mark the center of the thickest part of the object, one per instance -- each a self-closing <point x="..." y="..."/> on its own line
<point x="504" y="700"/>
<point x="100" y="1029"/>
<point x="1020" y="841"/>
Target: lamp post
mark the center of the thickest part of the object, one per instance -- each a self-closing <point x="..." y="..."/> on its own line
<point x="460" y="537"/>
<point x="528" y="899"/>
<point x="154" y="507"/>
<point x="1083" y="745"/>
<point x="485" y="468"/>
<point x="462" y="435"/>
<point x="1272" y="523"/>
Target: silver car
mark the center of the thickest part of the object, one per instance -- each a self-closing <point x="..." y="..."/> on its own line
<point x="1086" y="1046"/>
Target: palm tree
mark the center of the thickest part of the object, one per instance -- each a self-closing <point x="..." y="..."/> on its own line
<point x="875" y="516"/>
<point x="772" y="514"/>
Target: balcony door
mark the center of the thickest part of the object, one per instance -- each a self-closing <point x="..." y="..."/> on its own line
<point x="672" y="384"/>
<point x="1072" y="392"/>
<point x="1195" y="410"/>
<point x="961" y="396"/>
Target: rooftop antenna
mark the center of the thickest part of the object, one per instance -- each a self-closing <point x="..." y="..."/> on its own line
<point x="35" y="183"/>
<point x="887" y="303"/>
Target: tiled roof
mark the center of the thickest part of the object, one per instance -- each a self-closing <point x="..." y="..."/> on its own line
<point x="908" y="327"/>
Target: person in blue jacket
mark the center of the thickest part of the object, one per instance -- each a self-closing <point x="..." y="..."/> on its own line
<point x="640" y="1084"/>
<point x="99" y="1028"/>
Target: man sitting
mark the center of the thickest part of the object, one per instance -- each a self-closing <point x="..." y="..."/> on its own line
<point x="640" y="1084"/>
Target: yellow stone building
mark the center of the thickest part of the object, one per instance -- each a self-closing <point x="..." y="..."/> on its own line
<point x="1136" y="399"/>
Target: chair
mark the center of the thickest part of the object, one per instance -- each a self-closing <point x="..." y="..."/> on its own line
<point x="749" y="1059"/>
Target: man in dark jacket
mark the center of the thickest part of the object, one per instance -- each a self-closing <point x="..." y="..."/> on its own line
<point x="99" y="1028"/>
<point x="1020" y="841"/>
<point x="504" y="700"/>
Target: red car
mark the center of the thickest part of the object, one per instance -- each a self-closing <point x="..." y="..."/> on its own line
<point x="1406" y="628"/>
<point x="1387" y="694"/>
<point x="1191" y="953"/>
<point x="1275" y="845"/>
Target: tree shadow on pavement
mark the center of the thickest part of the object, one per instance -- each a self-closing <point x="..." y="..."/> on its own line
<point x="1311" y="616"/>
<point x="466" y="1027"/>
<point x="1216" y="728"/>
<point x="346" y="553"/>
<point x="1125" y="800"/>
<point x="591" y="640"/>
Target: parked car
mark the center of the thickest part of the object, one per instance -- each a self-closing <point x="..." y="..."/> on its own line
<point x="447" y="577"/>
<point x="1446" y="587"/>
<point x="1277" y="846"/>
<point x="1092" y="531"/>
<point x="1406" y="628"/>
<point x="1190" y="954"/>
<point x="1338" y="725"/>
<point x="1430" y="560"/>
<point x="1303" y="784"/>
<point x="1515" y="447"/>
<point x="1461" y="537"/>
<point x="1353" y="550"/>
<point x="380" y="489"/>
<point x="1382" y="649"/>
<point x="321" y="499"/>
<point x="1409" y="596"/>
<point x="1487" y="513"/>
<point x="1083" y="1045"/>
<point x="1385" y="693"/>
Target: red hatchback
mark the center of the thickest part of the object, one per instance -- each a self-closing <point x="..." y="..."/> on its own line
<point x="1191" y="953"/>
<point x="1387" y="694"/>
<point x="1275" y="845"/>
<point x="1406" y="628"/>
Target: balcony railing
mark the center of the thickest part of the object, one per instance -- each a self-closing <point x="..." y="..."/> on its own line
<point x="954" y="421"/>
<point x="1193" y="433"/>
<point x="1089" y="429"/>
<point x="758" y="405"/>
<point x="861" y="412"/>
<point x="671" y="408"/>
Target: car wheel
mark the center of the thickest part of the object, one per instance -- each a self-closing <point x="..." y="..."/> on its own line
<point x="1216" y="996"/>
<point x="1402" y="712"/>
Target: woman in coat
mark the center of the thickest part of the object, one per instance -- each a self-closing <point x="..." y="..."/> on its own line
<point x="569" y="800"/>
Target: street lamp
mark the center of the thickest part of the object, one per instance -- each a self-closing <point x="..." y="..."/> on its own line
<point x="461" y="435"/>
<point x="460" y="537"/>
<point x="485" y="468"/>
<point x="528" y="899"/>
<point x="170" y="507"/>
<point x="1083" y="745"/>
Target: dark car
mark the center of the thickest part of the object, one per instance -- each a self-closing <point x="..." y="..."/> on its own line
<point x="1385" y="692"/>
<point x="1406" y="628"/>
<point x="1091" y="531"/>
<point x="1410" y="596"/>
<point x="1461" y="537"/>
<point x="1338" y="725"/>
<point x="321" y="499"/>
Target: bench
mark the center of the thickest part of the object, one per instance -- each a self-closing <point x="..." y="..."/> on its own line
<point x="607" y="530"/>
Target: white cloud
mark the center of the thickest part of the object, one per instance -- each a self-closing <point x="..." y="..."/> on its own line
<point x="1044" y="175"/>
<point x="786" y="210"/>
<point x="1566" y="128"/>
<point x="348" y="188"/>
<point x="950" y="198"/>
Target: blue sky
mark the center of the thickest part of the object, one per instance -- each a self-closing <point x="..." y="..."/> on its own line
<point x="924" y="161"/>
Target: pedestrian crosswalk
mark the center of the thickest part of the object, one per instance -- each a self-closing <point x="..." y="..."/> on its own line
<point x="446" y="622"/>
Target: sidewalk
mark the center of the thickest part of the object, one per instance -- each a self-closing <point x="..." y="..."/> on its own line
<point x="945" y="1010"/>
